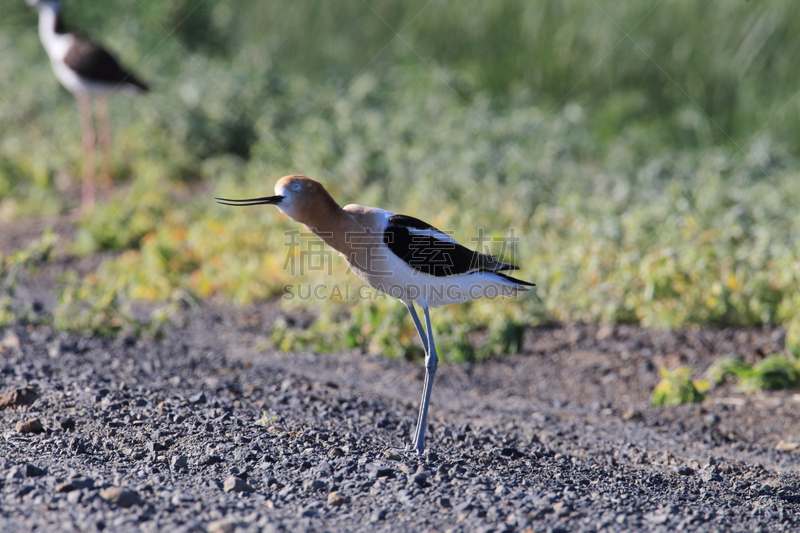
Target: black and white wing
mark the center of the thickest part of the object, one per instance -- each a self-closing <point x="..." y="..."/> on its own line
<point x="430" y="251"/>
<point x="91" y="61"/>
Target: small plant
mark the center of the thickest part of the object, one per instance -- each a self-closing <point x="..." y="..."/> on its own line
<point x="793" y="339"/>
<point x="122" y="222"/>
<point x="36" y="253"/>
<point x="378" y="327"/>
<point x="6" y="312"/>
<point x="727" y="366"/>
<point x="266" y="420"/>
<point x="776" y="372"/>
<point x="33" y="255"/>
<point x="677" y="388"/>
<point x="383" y="327"/>
<point x="91" y="309"/>
<point x="773" y="373"/>
<point x="98" y="306"/>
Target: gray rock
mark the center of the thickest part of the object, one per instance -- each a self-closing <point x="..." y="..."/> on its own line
<point x="16" y="472"/>
<point x="82" y="483"/>
<point x="66" y="423"/>
<point x="314" y="485"/>
<point x="336" y="452"/>
<point x="34" y="471"/>
<point x="18" y="398"/>
<point x="207" y="460"/>
<point x="710" y="473"/>
<point x="378" y="515"/>
<point x="198" y="398"/>
<point x="179" y="462"/>
<point x="236" y="484"/>
<point x="120" y="496"/>
<point x="336" y="499"/>
<point x="323" y="469"/>
<point x="657" y="517"/>
<point x="65" y="487"/>
<point x="226" y="525"/>
<point x="30" y="426"/>
<point x="421" y="479"/>
<point x="377" y="471"/>
<point x="309" y="511"/>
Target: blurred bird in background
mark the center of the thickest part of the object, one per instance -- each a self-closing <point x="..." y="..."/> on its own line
<point x="87" y="70"/>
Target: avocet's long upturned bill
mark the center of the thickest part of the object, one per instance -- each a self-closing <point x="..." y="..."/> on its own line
<point x="397" y="254"/>
<point x="85" y="69"/>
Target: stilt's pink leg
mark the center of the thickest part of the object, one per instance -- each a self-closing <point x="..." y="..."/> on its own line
<point x="104" y="127"/>
<point x="87" y="179"/>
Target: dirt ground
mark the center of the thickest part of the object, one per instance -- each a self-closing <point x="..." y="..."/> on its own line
<point x="560" y="437"/>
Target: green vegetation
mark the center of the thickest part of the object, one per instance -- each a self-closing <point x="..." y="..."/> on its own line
<point x="678" y="387"/>
<point x="33" y="255"/>
<point x="644" y="155"/>
<point x="778" y="371"/>
<point x="772" y="373"/>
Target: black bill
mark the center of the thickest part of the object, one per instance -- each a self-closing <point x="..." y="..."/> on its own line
<point x="264" y="200"/>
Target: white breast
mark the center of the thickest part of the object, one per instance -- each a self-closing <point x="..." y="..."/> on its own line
<point x="56" y="45"/>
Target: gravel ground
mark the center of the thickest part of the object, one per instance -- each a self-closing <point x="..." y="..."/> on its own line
<point x="126" y="434"/>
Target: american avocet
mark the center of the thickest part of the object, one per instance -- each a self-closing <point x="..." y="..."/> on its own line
<point x="85" y="69"/>
<point x="399" y="255"/>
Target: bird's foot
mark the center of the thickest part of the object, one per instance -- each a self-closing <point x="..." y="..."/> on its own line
<point x="404" y="450"/>
<point x="417" y="448"/>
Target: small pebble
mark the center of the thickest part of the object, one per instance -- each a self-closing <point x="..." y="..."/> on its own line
<point x="336" y="452"/>
<point x="18" y="398"/>
<point x="179" y="462"/>
<point x="335" y="499"/>
<point x="30" y="426"/>
<point x="236" y="484"/>
<point x="120" y="496"/>
<point x="226" y="525"/>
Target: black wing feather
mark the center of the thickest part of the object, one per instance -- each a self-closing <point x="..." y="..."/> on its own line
<point x="90" y="60"/>
<point x="436" y="257"/>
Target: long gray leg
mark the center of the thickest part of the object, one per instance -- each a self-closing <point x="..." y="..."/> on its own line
<point x="431" y="362"/>
<point x="423" y="337"/>
<point x="420" y="425"/>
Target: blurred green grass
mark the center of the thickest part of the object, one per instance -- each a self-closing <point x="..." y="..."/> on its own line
<point x="644" y="153"/>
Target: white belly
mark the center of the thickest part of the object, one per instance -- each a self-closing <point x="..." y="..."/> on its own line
<point x="391" y="275"/>
<point x="78" y="84"/>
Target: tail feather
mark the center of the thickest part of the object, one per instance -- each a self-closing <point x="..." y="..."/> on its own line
<point x="491" y="264"/>
<point x="523" y="284"/>
<point x="505" y="266"/>
<point x="138" y="83"/>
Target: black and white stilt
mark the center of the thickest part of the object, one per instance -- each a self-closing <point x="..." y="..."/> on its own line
<point x="88" y="71"/>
